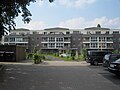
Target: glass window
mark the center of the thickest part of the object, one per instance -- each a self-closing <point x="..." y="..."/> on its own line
<point x="51" y="45"/>
<point x="107" y="32"/>
<point x="76" y="32"/>
<point x="59" y="45"/>
<point x="98" y="32"/>
<point x="115" y="32"/>
<point x="67" y="32"/>
<point x="93" y="38"/>
<point x="51" y="39"/>
<point x="12" y="39"/>
<point x="59" y="39"/>
<point x="19" y="39"/>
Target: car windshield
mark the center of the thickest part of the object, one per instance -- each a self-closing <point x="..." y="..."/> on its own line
<point x="118" y="60"/>
<point x="114" y="58"/>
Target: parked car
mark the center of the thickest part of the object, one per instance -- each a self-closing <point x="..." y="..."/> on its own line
<point x="109" y="58"/>
<point x="95" y="57"/>
<point x="115" y="67"/>
<point x="64" y="55"/>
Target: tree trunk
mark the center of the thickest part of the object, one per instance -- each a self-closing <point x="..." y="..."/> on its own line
<point x="1" y="31"/>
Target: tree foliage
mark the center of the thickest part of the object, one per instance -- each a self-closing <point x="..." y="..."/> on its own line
<point x="10" y="9"/>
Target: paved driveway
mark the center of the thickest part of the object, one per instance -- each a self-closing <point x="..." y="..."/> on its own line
<point x="38" y="77"/>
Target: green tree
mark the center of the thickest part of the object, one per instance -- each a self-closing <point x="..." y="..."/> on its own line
<point x="9" y="10"/>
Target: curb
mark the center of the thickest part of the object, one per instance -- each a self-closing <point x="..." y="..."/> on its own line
<point x="1" y="67"/>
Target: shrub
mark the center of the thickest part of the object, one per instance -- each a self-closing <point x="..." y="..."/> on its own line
<point x="30" y="56"/>
<point x="73" y="58"/>
<point x="81" y="57"/>
<point x="43" y="57"/>
<point x="36" y="58"/>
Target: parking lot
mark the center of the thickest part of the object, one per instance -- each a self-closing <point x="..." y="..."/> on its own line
<point x="57" y="77"/>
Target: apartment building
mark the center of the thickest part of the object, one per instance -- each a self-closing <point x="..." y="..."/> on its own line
<point x="61" y="39"/>
<point x="17" y="37"/>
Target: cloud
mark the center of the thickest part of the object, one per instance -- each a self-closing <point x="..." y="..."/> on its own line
<point x="35" y="25"/>
<point x="41" y="3"/>
<point x="76" y="3"/>
<point x="81" y="22"/>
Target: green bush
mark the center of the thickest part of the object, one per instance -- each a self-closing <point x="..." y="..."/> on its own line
<point x="81" y="57"/>
<point x="43" y="57"/>
<point x="36" y="58"/>
<point x="30" y="56"/>
<point x="73" y="58"/>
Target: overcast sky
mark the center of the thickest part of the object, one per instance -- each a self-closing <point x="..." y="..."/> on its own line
<point x="73" y="14"/>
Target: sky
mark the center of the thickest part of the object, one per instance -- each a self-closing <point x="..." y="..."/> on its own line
<point x="72" y="14"/>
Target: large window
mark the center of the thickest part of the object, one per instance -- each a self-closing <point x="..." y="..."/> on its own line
<point x="102" y="39"/>
<point x="67" y="32"/>
<point x="51" y="45"/>
<point x="51" y="39"/>
<point x="98" y="32"/>
<point x="94" y="39"/>
<point x="86" y="39"/>
<point x="12" y="39"/>
<point x="44" y="39"/>
<point x="19" y="39"/>
<point x="59" y="39"/>
<point x="109" y="39"/>
<point x="59" y="45"/>
<point x="94" y="45"/>
<point x="115" y="32"/>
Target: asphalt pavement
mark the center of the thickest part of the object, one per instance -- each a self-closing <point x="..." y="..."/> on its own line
<point x="55" y="76"/>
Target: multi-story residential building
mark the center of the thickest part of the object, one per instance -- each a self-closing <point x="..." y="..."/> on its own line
<point x="17" y="37"/>
<point x="97" y="38"/>
<point x="62" y="39"/>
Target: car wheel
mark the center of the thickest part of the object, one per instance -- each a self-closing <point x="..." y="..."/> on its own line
<point x="95" y="63"/>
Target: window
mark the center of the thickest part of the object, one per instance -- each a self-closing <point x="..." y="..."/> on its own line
<point x="35" y="32"/>
<point x="98" y="32"/>
<point x="59" y="45"/>
<point x="115" y="32"/>
<point x="12" y="39"/>
<point x="66" y="39"/>
<point x="86" y="45"/>
<point x="107" y="32"/>
<point x="93" y="39"/>
<point x="52" y="32"/>
<point x="88" y="32"/>
<point x="51" y="39"/>
<point x="45" y="33"/>
<point x="67" y="32"/>
<point x="45" y="45"/>
<point x="109" y="38"/>
<point x="25" y="39"/>
<point x="52" y="45"/>
<point x="86" y="38"/>
<point x="22" y="33"/>
<point x="19" y="39"/>
<point x="94" y="45"/>
<point x="44" y="39"/>
<point x="60" y="32"/>
<point x="59" y="39"/>
<point x="75" y="32"/>
<point x="101" y="39"/>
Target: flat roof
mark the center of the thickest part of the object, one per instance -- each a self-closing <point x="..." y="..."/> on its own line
<point x="57" y="28"/>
